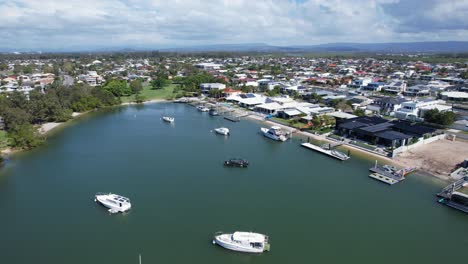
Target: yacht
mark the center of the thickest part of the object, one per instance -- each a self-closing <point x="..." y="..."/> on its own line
<point x="213" y="112"/>
<point x="168" y="119"/>
<point x="274" y="133"/>
<point x="243" y="242"/>
<point x="222" y="131"/>
<point x="202" y="108"/>
<point x="114" y="202"/>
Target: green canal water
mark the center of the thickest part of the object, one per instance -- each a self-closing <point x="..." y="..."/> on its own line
<point x="315" y="209"/>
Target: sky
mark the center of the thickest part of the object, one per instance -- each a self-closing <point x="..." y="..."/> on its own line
<point x="88" y="24"/>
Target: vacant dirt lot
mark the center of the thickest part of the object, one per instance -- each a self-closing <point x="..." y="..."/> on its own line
<point x="438" y="158"/>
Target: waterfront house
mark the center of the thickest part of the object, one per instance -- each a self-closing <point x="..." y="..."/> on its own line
<point x="207" y="87"/>
<point x="380" y="131"/>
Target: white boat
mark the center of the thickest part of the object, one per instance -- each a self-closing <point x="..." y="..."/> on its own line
<point x="274" y="133"/>
<point x="243" y="242"/>
<point x="222" y="131"/>
<point x="114" y="202"/>
<point x="168" y="119"/>
<point x="202" y="108"/>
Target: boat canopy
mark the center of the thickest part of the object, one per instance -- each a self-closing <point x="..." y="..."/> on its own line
<point x="248" y="237"/>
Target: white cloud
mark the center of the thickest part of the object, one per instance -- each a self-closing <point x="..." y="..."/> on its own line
<point x="57" y="24"/>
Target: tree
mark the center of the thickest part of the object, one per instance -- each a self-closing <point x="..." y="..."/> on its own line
<point x="136" y="86"/>
<point x="359" y="112"/>
<point x="139" y="98"/>
<point x="343" y="106"/>
<point x="464" y="75"/>
<point x="159" y="83"/>
<point x="275" y="91"/>
<point x="25" y="136"/>
<point x="118" y="88"/>
<point x="442" y="118"/>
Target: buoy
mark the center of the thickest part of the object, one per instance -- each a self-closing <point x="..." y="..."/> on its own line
<point x="214" y="242"/>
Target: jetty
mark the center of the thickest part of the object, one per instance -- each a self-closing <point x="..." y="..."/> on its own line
<point x="329" y="152"/>
<point x="453" y="187"/>
<point x="388" y="174"/>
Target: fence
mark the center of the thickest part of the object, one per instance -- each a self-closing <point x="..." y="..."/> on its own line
<point x="419" y="143"/>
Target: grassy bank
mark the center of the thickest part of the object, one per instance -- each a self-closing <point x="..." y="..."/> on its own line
<point x="151" y="94"/>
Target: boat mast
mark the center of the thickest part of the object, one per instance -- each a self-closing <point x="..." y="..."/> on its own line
<point x="139" y="258"/>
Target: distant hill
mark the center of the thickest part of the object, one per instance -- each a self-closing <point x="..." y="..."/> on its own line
<point x="401" y="47"/>
<point x="405" y="47"/>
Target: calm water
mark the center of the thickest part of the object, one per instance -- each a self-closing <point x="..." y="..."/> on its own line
<point x="315" y="209"/>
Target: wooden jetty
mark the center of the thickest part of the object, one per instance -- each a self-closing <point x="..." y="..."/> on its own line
<point x="330" y="152"/>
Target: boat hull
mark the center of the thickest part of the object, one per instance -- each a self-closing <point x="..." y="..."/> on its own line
<point x="222" y="132"/>
<point x="271" y="136"/>
<point x="235" y="246"/>
<point x="103" y="201"/>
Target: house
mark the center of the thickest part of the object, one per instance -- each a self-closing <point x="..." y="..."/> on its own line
<point x="373" y="86"/>
<point x="206" y="87"/>
<point x="92" y="78"/>
<point x="380" y="131"/>
<point x="395" y="87"/>
<point x="248" y="100"/>
<point x="358" y="83"/>
<point x="386" y="105"/>
<point x="208" y="66"/>
<point x="417" y="90"/>
<point x="455" y="96"/>
<point x="414" y="110"/>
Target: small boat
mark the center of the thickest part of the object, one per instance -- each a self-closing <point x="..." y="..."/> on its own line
<point x="168" y="119"/>
<point x="202" y="108"/>
<point x="114" y="202"/>
<point x="222" y="131"/>
<point x="236" y="163"/>
<point x="243" y="242"/>
<point x="213" y="112"/>
<point x="274" y="133"/>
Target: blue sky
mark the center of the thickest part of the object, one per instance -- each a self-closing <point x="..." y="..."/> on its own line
<point x="82" y="24"/>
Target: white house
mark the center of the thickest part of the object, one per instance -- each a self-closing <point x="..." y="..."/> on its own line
<point x="206" y="87"/>
<point x="414" y="110"/>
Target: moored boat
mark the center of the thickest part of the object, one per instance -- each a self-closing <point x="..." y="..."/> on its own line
<point x="222" y="131"/>
<point x="168" y="119"/>
<point x="114" y="202"/>
<point x="243" y="242"/>
<point x="236" y="163"/>
<point x="213" y="112"/>
<point x="274" y="133"/>
<point x="202" y="108"/>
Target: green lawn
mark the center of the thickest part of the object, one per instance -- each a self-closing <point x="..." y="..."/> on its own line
<point x="151" y="94"/>
<point x="3" y="139"/>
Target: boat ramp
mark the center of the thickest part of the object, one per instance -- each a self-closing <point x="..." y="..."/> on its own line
<point x="388" y="174"/>
<point x="327" y="150"/>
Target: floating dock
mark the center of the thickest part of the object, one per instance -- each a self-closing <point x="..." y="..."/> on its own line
<point x="383" y="178"/>
<point x="388" y="174"/>
<point x="332" y="153"/>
